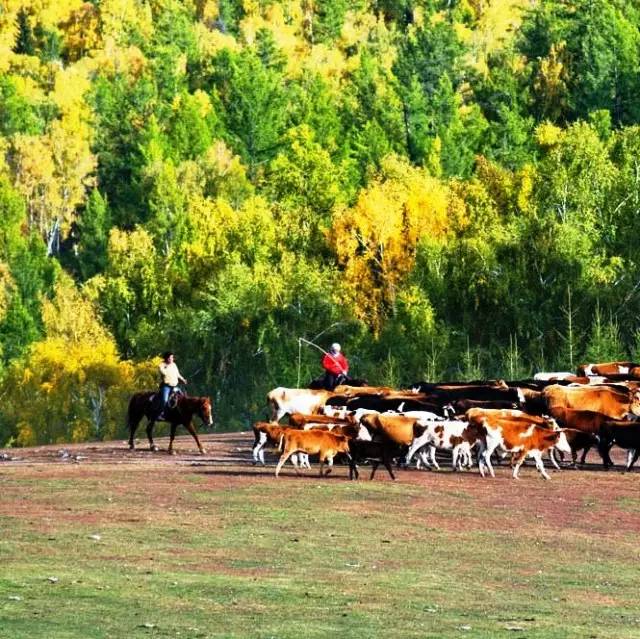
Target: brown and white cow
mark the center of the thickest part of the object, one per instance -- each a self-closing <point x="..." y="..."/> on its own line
<point x="606" y="368"/>
<point x="455" y="435"/>
<point x="516" y="434"/>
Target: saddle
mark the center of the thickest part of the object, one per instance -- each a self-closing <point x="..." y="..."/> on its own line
<point x="172" y="402"/>
<point x="174" y="395"/>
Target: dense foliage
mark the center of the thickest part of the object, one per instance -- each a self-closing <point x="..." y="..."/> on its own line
<point x="449" y="189"/>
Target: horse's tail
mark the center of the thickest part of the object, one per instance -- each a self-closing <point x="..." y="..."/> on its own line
<point x="130" y="407"/>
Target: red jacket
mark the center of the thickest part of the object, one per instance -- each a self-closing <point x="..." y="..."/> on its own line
<point x="335" y="364"/>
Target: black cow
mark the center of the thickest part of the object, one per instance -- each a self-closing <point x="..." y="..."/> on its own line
<point x="625" y="434"/>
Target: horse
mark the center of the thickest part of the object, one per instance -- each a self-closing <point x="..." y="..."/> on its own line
<point x="142" y="405"/>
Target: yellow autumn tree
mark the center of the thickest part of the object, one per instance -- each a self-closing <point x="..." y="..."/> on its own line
<point x="72" y="385"/>
<point x="53" y="171"/>
<point x="375" y="240"/>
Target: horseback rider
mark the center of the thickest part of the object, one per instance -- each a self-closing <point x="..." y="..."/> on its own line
<point x="336" y="367"/>
<point x="170" y="377"/>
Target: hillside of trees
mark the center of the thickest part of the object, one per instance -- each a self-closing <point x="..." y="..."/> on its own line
<point x="450" y="189"/>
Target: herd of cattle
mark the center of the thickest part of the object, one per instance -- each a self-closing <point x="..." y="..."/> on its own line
<point x="554" y="413"/>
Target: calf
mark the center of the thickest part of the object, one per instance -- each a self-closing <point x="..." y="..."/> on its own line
<point x="623" y="433"/>
<point x="268" y="432"/>
<point x="454" y="435"/>
<point x="313" y="442"/>
<point x="516" y="434"/>
<point x="382" y="452"/>
<point x="583" y="428"/>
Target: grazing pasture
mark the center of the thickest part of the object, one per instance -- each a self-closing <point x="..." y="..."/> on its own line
<point x="97" y="541"/>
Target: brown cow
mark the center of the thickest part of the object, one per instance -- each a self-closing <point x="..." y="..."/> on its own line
<point x="516" y="434"/>
<point x="396" y="428"/>
<point x="271" y="432"/>
<point x="583" y="425"/>
<point x="299" y="420"/>
<point x="616" y="402"/>
<point x="313" y="442"/>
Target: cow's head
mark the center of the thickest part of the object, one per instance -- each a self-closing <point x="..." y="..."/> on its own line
<point x="634" y="406"/>
<point x="562" y="444"/>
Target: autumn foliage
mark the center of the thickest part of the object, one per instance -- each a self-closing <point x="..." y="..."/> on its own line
<point x="449" y="189"/>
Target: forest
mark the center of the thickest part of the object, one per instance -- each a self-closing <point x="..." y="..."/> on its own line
<point x="450" y="189"/>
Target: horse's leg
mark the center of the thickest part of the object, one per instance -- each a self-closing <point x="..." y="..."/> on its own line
<point x="150" y="424"/>
<point x="189" y="426"/>
<point x="172" y="436"/>
<point x="133" y="426"/>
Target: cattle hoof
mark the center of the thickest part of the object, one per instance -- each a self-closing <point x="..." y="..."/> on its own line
<point x="203" y="451"/>
<point x="171" y="451"/>
<point x="132" y="446"/>
<point x="153" y="448"/>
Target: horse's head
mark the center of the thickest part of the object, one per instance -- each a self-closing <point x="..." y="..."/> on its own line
<point x="205" y="411"/>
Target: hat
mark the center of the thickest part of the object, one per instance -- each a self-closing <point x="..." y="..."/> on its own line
<point x="335" y="347"/>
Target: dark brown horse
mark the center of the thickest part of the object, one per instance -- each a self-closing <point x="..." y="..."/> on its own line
<point x="142" y="405"/>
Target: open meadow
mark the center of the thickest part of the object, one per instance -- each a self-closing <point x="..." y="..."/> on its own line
<point x="97" y="541"/>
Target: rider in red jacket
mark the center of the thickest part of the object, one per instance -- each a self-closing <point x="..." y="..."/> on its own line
<point x="336" y="367"/>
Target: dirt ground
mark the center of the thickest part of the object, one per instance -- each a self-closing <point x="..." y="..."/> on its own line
<point x="579" y="498"/>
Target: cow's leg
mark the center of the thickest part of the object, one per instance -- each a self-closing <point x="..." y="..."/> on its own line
<point x="283" y="458"/>
<point x="552" y="457"/>
<point x="191" y="428"/>
<point x="374" y="466"/>
<point x="304" y="461"/>
<point x="423" y="459"/>
<point x="604" y="448"/>
<point x="484" y="456"/>
<point x="636" y="454"/>
<point x="410" y="453"/>
<point x="632" y="456"/>
<point x="150" y="425"/>
<point x="432" y="455"/>
<point x="454" y="458"/>
<point x="329" y="465"/>
<point x="585" y="450"/>
<point x="387" y="464"/>
<point x="516" y="460"/>
<point x="353" y="468"/>
<point x="258" y="446"/>
<point x="537" y="456"/>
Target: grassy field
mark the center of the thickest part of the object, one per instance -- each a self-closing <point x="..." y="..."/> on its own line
<point x="152" y="549"/>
